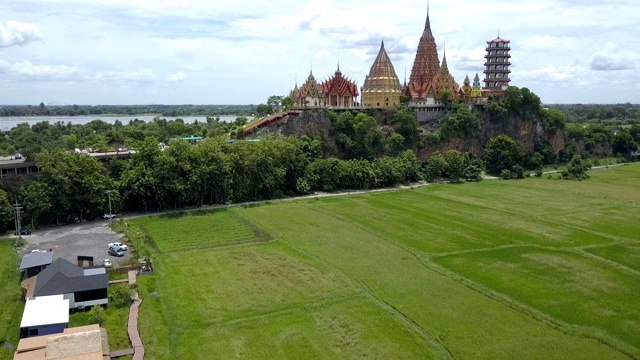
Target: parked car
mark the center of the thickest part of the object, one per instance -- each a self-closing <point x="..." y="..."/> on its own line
<point x="108" y="216"/>
<point x="116" y="252"/>
<point x="120" y="245"/>
<point x="107" y="263"/>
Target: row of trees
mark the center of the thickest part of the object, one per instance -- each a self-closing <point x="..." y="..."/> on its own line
<point x="165" y="110"/>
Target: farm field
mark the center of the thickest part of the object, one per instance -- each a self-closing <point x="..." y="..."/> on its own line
<point x="530" y="269"/>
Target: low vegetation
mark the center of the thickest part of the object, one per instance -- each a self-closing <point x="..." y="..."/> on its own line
<point x="11" y="306"/>
<point x="494" y="269"/>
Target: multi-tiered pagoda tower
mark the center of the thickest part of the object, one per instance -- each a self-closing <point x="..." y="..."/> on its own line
<point x="497" y="65"/>
<point x="381" y="87"/>
<point x="426" y="66"/>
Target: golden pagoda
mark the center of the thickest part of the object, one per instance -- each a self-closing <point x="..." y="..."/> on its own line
<point x="444" y="80"/>
<point x="381" y="87"/>
<point x="466" y="89"/>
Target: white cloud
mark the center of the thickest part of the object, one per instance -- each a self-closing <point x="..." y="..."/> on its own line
<point x="120" y="77"/>
<point x="17" y="33"/>
<point x="611" y="59"/>
<point x="322" y="54"/>
<point x="177" y="77"/>
<point x="45" y="72"/>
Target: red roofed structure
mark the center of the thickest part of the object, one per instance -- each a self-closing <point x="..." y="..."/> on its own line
<point x="340" y="91"/>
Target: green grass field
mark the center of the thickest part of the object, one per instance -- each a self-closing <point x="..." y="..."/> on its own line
<point x="11" y="307"/>
<point x="531" y="269"/>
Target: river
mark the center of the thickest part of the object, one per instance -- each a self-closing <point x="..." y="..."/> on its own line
<point x="9" y="122"/>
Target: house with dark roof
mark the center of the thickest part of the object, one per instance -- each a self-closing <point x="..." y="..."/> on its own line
<point x="83" y="287"/>
<point x="34" y="262"/>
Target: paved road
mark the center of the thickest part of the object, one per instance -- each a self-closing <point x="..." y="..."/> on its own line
<point x="70" y="241"/>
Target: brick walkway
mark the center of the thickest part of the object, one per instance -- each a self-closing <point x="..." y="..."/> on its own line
<point x="132" y="326"/>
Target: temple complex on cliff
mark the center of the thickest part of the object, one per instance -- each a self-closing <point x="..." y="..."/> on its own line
<point x="430" y="89"/>
<point x="381" y="87"/>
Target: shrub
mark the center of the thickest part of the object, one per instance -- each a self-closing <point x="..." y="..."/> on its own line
<point x="97" y="314"/>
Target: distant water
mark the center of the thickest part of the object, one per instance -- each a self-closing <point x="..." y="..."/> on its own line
<point x="9" y="122"/>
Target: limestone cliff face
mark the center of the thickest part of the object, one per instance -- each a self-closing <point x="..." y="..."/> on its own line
<point x="527" y="132"/>
<point x="311" y="122"/>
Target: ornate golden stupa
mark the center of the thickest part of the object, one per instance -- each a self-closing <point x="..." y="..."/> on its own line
<point x="445" y="81"/>
<point x="381" y="87"/>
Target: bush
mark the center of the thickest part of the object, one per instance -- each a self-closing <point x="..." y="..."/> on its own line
<point x="505" y="174"/>
<point x="97" y="314"/>
<point x="120" y="296"/>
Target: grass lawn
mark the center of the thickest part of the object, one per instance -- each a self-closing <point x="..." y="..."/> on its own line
<point x="115" y="321"/>
<point x="11" y="306"/>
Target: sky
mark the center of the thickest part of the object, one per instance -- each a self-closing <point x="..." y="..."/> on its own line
<point x="126" y="52"/>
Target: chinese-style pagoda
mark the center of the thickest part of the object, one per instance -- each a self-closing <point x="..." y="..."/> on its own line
<point x="497" y="65"/>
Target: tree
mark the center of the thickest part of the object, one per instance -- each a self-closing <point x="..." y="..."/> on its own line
<point x="576" y="170"/>
<point x="287" y="102"/>
<point x="264" y="110"/>
<point x="7" y="212"/>
<point x="455" y="165"/>
<point x="436" y="166"/>
<point x="406" y="124"/>
<point x="35" y="199"/>
<point x="473" y="169"/>
<point x="503" y="152"/>
<point x="623" y="143"/>
<point x="275" y="102"/>
<point x="463" y="124"/>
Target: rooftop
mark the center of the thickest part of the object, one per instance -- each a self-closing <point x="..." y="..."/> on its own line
<point x="79" y="343"/>
<point x="36" y="259"/>
<point x="45" y="310"/>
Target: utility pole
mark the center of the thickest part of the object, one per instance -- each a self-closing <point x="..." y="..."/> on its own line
<point x="18" y="223"/>
<point x="109" y="193"/>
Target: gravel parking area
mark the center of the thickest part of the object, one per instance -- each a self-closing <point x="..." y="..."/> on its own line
<point x="70" y="241"/>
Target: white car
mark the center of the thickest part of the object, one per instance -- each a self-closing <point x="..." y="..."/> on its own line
<point x="117" y="245"/>
<point x="108" y="216"/>
<point x="107" y="263"/>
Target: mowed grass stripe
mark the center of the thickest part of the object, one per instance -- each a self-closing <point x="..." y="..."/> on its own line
<point x="195" y="230"/>
<point x="627" y="254"/>
<point x="469" y="324"/>
<point x="223" y="302"/>
<point x="349" y="329"/>
<point x="569" y="287"/>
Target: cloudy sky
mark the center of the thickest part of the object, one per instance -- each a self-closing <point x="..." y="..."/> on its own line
<point x="227" y="52"/>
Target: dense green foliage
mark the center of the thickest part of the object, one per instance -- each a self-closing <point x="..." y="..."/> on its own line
<point x="99" y="135"/>
<point x="503" y="153"/>
<point x="344" y="277"/>
<point x="164" y="110"/>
